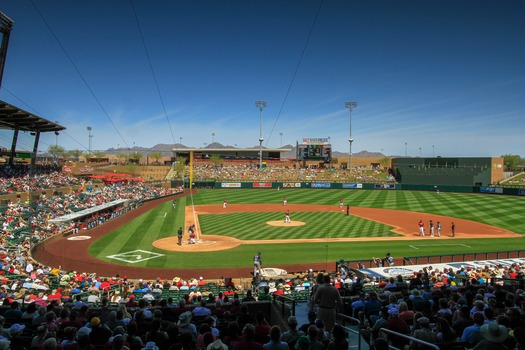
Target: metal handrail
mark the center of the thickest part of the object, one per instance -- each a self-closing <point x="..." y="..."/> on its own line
<point x="283" y="299"/>
<point x="388" y="331"/>
<point x="350" y="330"/>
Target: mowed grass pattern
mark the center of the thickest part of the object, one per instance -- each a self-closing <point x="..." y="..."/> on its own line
<point x="252" y="226"/>
<point x="163" y="221"/>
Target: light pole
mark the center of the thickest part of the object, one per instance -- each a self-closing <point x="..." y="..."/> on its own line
<point x="281" y="139"/>
<point x="260" y="104"/>
<point x="180" y="140"/>
<point x="419" y="152"/>
<point x="89" y="128"/>
<point x="433" y="151"/>
<point x="405" y="149"/>
<point x="212" y="137"/>
<point x="350" y="105"/>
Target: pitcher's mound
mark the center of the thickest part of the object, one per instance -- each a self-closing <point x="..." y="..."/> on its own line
<point x="282" y="223"/>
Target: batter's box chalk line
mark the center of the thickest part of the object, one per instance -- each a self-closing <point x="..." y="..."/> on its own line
<point x="135" y="256"/>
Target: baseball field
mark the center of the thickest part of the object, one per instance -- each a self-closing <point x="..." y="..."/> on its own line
<point x="145" y="242"/>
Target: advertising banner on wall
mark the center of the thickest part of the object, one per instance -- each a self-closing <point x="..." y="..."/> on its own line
<point x="231" y="184"/>
<point x="497" y="190"/>
<point x="262" y="185"/>
<point x="352" y="185"/>
<point x="385" y="186"/>
<point x="292" y="184"/>
<point x="321" y="185"/>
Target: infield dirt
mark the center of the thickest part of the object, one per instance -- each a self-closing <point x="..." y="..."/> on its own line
<point x="73" y="255"/>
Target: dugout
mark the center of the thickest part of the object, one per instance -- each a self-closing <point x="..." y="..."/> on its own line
<point x="449" y="171"/>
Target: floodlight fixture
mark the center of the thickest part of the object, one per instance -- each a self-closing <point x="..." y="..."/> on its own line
<point x="260" y="104"/>
<point x="350" y="105"/>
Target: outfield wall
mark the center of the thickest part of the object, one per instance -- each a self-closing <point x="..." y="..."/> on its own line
<point x="357" y="186"/>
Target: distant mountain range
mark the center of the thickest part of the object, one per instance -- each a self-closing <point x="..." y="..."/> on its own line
<point x="166" y="150"/>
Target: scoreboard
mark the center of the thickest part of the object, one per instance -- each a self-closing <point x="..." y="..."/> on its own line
<point x="315" y="152"/>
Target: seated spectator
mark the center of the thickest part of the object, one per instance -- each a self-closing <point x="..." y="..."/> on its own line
<point x="262" y="328"/>
<point x="201" y="310"/>
<point x="424" y="333"/>
<point x="472" y="334"/>
<point x="339" y="340"/>
<point x="313" y="333"/>
<point x="399" y="326"/>
<point x="275" y="342"/>
<point x="247" y="342"/>
<point x="292" y="334"/>
<point x="185" y="325"/>
<point x="493" y="337"/>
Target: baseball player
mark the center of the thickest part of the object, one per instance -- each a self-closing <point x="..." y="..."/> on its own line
<point x="421" y="228"/>
<point x="179" y="235"/>
<point x="257" y="262"/>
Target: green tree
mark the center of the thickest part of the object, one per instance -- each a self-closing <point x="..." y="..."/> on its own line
<point x="180" y="167"/>
<point x="511" y="161"/>
<point x="216" y="160"/>
<point x="123" y="157"/>
<point x="384" y="162"/>
<point x="156" y="155"/>
<point x="57" y="151"/>
<point x="75" y="153"/>
<point x="135" y="157"/>
<point x="98" y="154"/>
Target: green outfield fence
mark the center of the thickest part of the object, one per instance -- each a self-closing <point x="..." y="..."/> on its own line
<point x="212" y="184"/>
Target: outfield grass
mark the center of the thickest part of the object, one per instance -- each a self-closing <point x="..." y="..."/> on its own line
<point x="163" y="221"/>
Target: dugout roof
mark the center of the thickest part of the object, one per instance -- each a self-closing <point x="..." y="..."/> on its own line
<point x="15" y="118"/>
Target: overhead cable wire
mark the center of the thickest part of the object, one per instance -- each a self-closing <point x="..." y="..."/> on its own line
<point x="295" y="72"/>
<point x="152" y="70"/>
<point x="80" y="74"/>
<point x="29" y="107"/>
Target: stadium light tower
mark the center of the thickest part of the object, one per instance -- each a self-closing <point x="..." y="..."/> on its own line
<point x="406" y="149"/>
<point x="260" y="104"/>
<point x="89" y="128"/>
<point x="281" y="139"/>
<point x="350" y="105"/>
<point x="212" y="137"/>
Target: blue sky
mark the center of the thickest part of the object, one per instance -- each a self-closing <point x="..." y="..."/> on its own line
<point x="444" y="76"/>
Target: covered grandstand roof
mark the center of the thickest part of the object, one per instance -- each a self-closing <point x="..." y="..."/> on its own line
<point x="15" y="118"/>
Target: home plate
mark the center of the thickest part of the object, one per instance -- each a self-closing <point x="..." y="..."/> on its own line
<point x="273" y="272"/>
